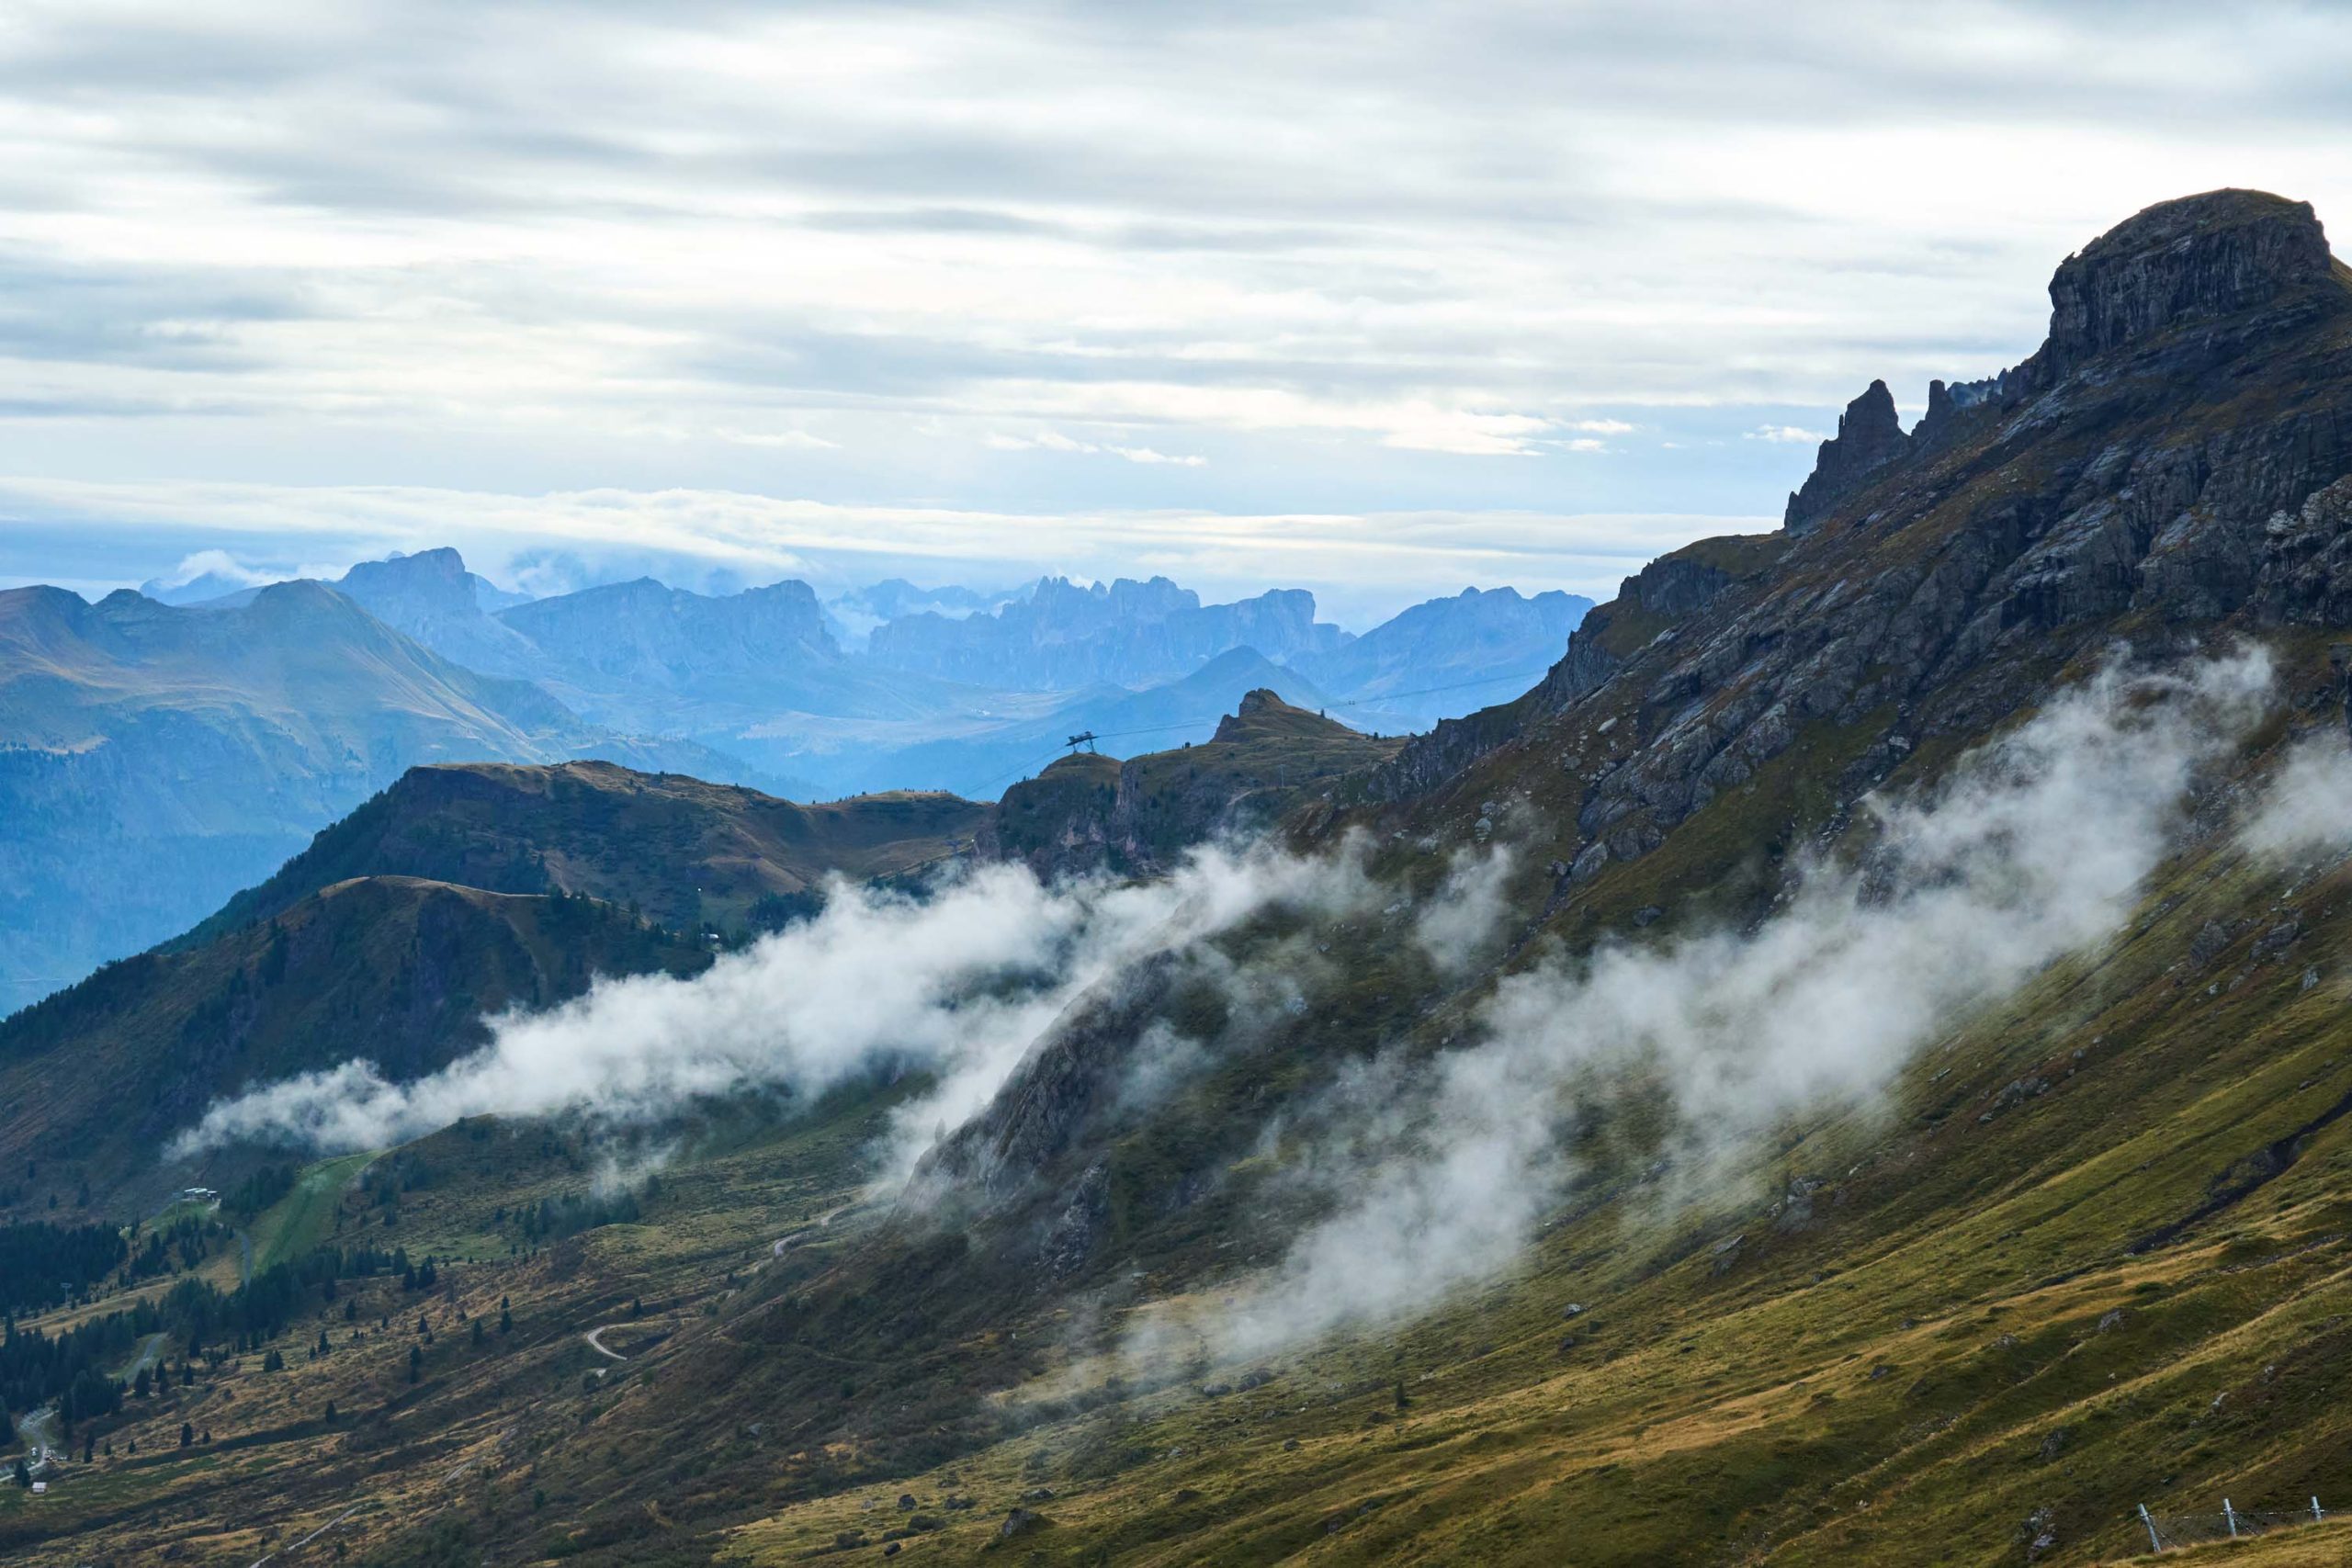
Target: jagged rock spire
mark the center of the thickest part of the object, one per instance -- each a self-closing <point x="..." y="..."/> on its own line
<point x="1869" y="435"/>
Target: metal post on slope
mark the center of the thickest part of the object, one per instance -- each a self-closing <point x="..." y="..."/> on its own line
<point x="2231" y="1515"/>
<point x="2154" y="1542"/>
<point x="2317" y="1516"/>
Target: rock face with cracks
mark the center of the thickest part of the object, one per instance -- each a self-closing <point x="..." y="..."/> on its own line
<point x="2174" y="456"/>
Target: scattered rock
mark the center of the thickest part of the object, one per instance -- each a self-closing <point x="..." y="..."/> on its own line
<point x="906" y="1502"/>
<point x="2038" y="1534"/>
<point x="1020" y="1521"/>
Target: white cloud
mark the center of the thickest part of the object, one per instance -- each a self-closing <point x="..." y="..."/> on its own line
<point x="1055" y="441"/>
<point x="2036" y="847"/>
<point x="784" y="440"/>
<point x="1788" y="435"/>
<point x="958" y="985"/>
<point x="1331" y="251"/>
<point x="2306" y="812"/>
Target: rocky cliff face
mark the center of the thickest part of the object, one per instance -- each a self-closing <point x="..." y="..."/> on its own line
<point x="2164" y="461"/>
<point x="2178" y="262"/>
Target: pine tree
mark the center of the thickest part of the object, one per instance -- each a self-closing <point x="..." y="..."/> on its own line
<point x="188" y="1434"/>
<point x="415" y="1363"/>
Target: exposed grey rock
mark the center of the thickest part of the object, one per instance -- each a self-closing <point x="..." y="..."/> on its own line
<point x="2199" y="257"/>
<point x="1870" y="437"/>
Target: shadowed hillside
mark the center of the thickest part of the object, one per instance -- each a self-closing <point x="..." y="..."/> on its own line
<point x="689" y="854"/>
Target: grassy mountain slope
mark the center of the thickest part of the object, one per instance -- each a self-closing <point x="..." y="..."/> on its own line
<point x="395" y="970"/>
<point x="686" y="853"/>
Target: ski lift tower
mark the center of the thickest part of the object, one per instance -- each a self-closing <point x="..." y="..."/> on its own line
<point x="1085" y="738"/>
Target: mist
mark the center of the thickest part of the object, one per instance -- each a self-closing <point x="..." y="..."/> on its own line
<point x="2035" y="846"/>
<point x="956" y="985"/>
<point x="2306" y="813"/>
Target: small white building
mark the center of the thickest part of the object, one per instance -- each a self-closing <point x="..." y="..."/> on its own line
<point x="39" y="1487"/>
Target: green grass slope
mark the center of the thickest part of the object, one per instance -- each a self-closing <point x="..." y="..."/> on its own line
<point x="95" y="1080"/>
<point x="686" y="853"/>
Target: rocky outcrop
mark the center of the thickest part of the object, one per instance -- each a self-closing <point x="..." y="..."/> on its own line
<point x="1087" y="813"/>
<point x="2177" y="262"/>
<point x="2306" y="561"/>
<point x="1662" y="594"/>
<point x="2175" y="456"/>
<point x="1870" y="437"/>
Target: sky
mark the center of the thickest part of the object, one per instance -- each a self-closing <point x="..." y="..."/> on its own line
<point x="1378" y="300"/>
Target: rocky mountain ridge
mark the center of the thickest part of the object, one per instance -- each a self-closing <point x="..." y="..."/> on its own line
<point x="2148" y="470"/>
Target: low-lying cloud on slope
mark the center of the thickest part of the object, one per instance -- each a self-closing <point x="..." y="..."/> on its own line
<point x="1436" y="1173"/>
<point x="957" y="984"/>
<point x="2035" y="846"/>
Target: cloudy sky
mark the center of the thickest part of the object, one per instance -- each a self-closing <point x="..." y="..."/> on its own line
<point x="1379" y="300"/>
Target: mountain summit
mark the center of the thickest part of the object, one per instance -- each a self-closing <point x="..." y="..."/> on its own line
<point x="2184" y="275"/>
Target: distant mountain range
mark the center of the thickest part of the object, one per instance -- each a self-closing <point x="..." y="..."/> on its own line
<point x="160" y="750"/>
<point x="156" y="759"/>
<point x="900" y="686"/>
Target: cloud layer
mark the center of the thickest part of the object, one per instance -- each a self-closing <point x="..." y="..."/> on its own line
<point x="956" y="985"/>
<point x="2036" y="847"/>
<point x="1063" y="258"/>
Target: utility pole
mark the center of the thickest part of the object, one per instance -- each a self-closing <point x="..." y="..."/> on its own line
<point x="2231" y="1515"/>
<point x="2155" y="1543"/>
<point x="2316" y="1515"/>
